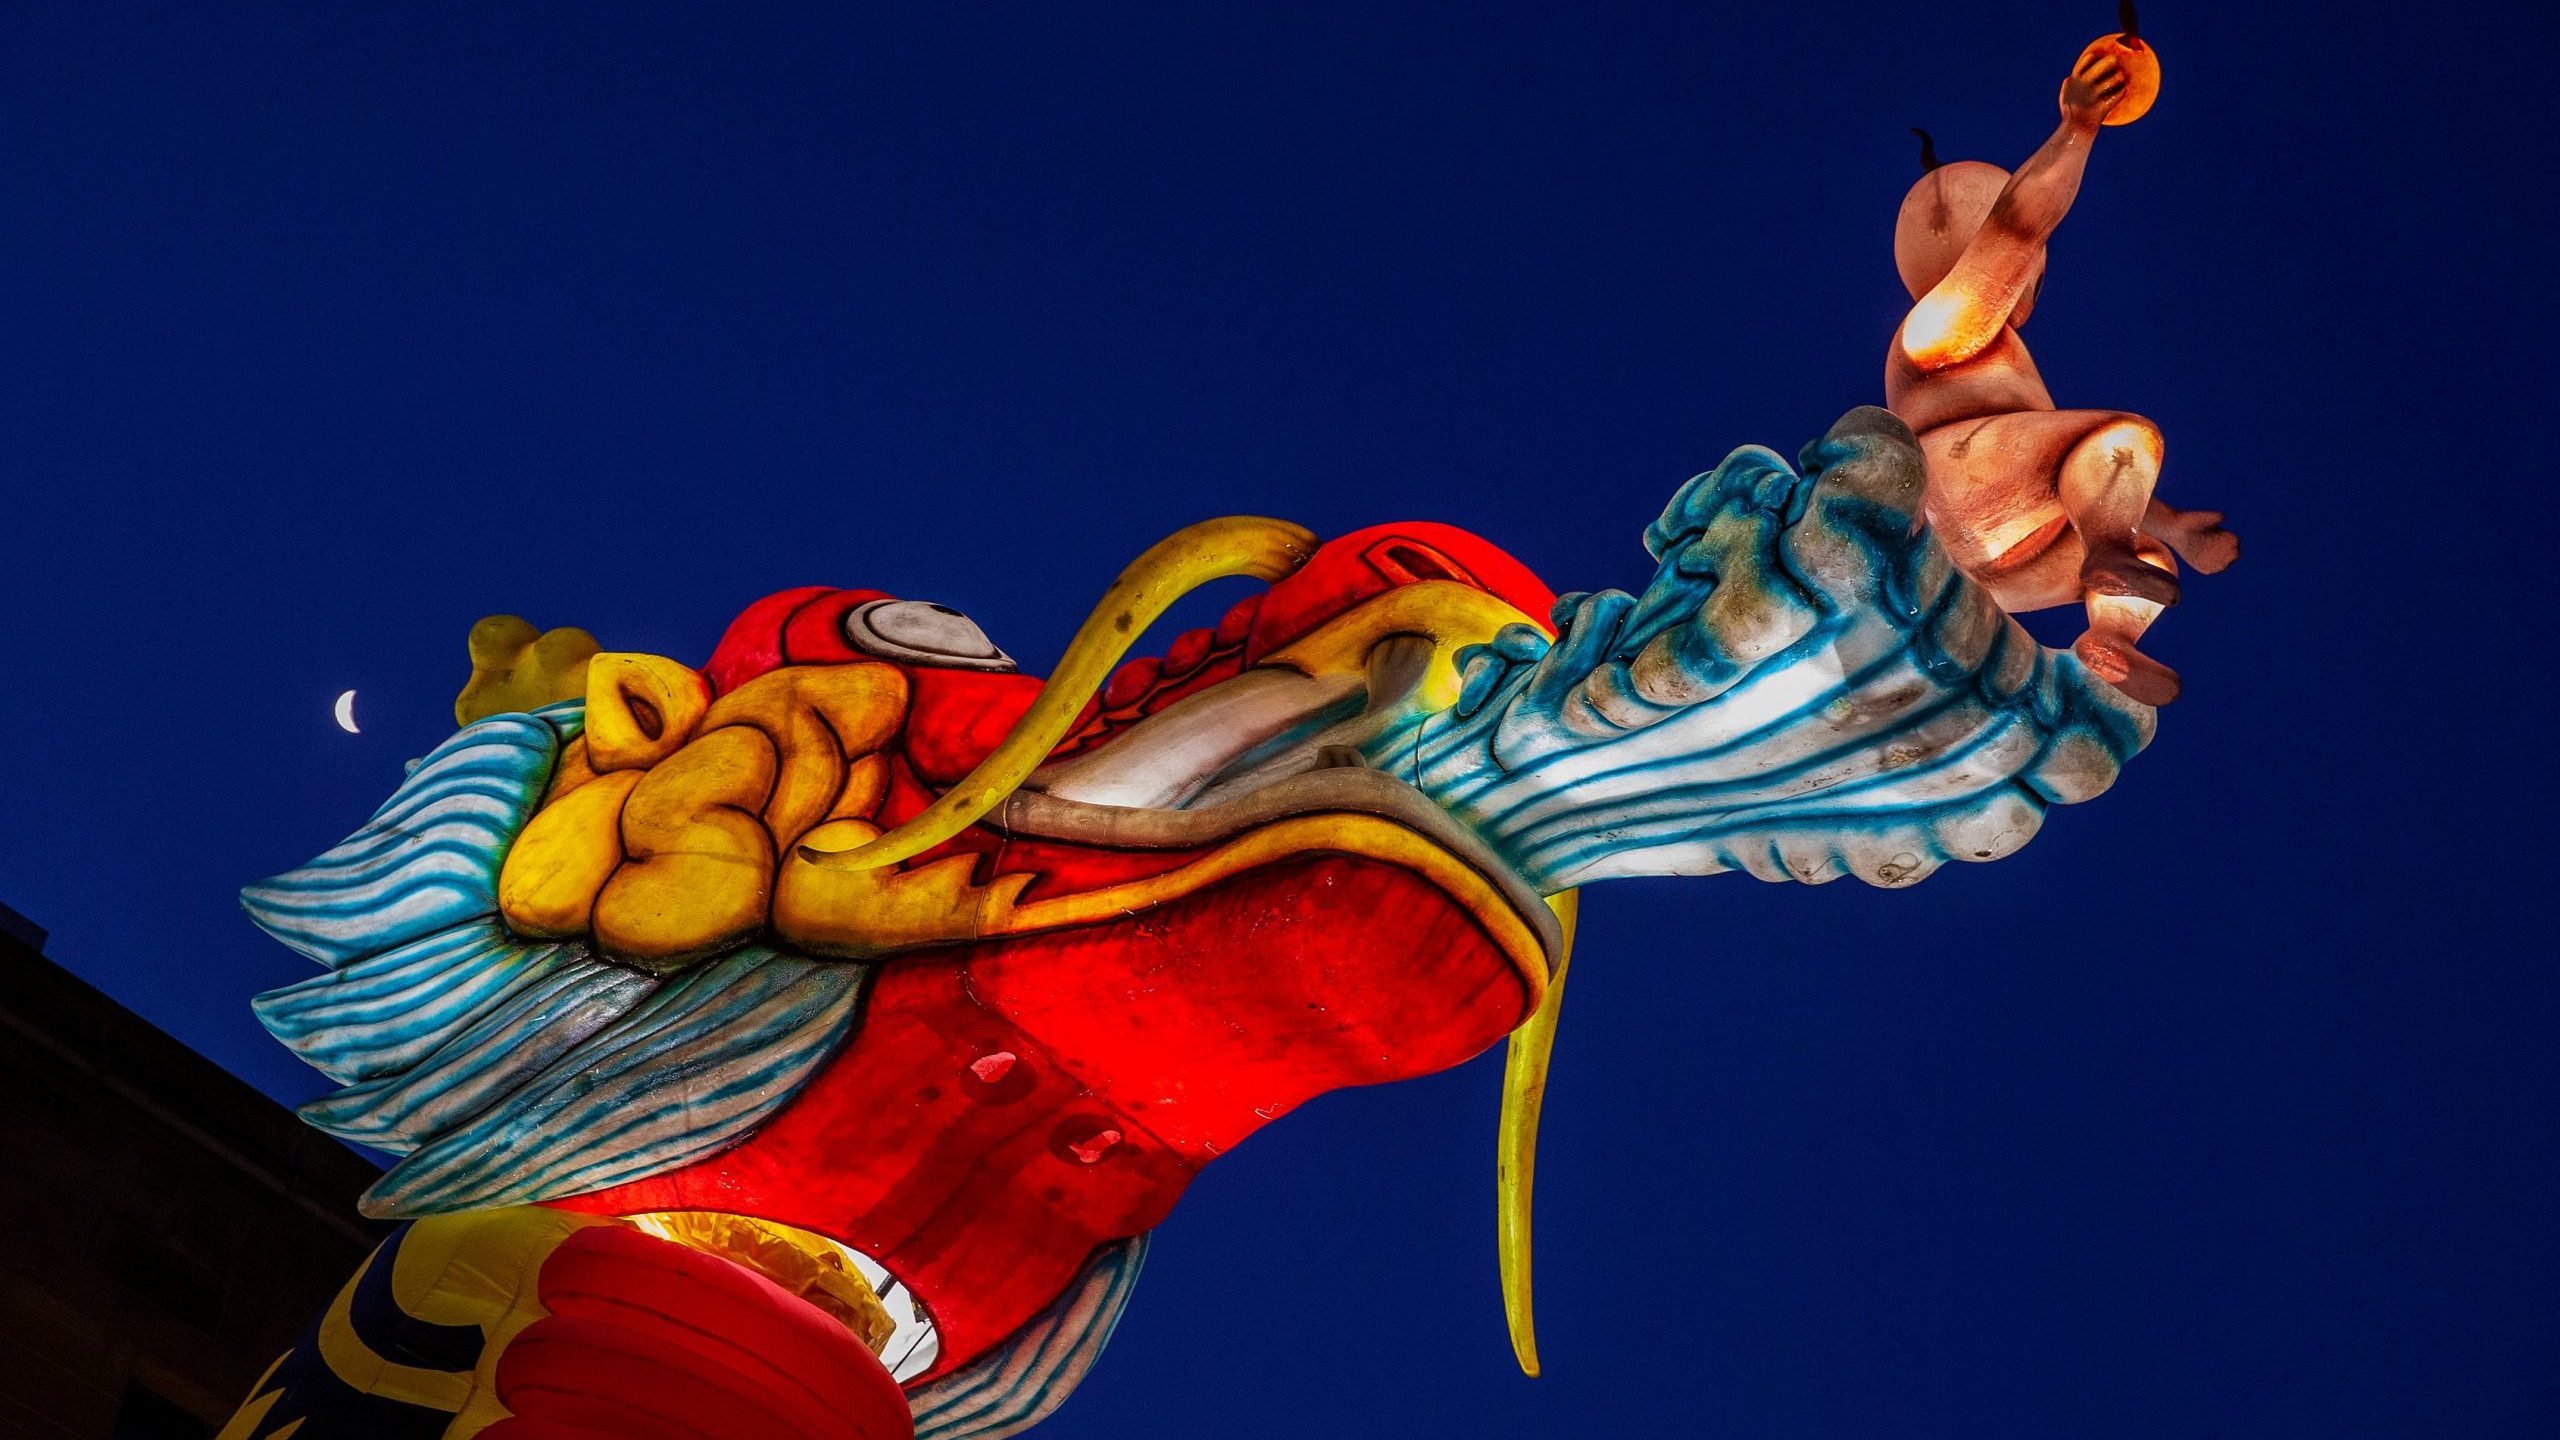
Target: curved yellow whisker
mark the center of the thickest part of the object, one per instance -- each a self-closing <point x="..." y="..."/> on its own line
<point x="1524" y="1096"/>
<point x="1171" y="568"/>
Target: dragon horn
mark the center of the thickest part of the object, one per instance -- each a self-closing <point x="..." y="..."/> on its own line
<point x="1171" y="568"/>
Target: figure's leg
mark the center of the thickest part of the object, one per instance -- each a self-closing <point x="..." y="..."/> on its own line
<point x="2092" y="471"/>
<point x="1991" y="501"/>
<point x="2115" y="623"/>
<point x="2197" y="536"/>
<point x="2105" y="487"/>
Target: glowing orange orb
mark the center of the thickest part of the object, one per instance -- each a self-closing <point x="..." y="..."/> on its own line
<point x="2141" y="73"/>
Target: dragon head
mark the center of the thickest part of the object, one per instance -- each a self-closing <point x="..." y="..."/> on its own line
<point x="856" y="928"/>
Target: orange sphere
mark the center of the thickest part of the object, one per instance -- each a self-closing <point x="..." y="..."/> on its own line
<point x="2141" y="73"/>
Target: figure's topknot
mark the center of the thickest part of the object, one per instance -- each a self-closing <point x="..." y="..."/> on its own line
<point x="1939" y="217"/>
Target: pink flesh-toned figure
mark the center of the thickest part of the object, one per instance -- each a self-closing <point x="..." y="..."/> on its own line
<point x="2043" y="507"/>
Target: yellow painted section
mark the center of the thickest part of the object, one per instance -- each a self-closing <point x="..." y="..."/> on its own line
<point x="570" y="771"/>
<point x="352" y="1361"/>
<point x="699" y="872"/>
<point x="862" y="914"/>
<point x="821" y="719"/>
<point x="1524" y="1098"/>
<point x="640" y="709"/>
<point x="547" y="888"/>
<point x="479" y="1269"/>
<point x="1450" y="615"/>
<point x="244" y="1422"/>
<point x="672" y="859"/>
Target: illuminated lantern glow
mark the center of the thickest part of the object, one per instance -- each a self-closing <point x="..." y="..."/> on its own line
<point x="2141" y="66"/>
<point x="808" y="1040"/>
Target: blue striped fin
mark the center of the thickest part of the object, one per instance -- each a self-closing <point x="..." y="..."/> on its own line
<point x="429" y="858"/>
<point x="1021" y="1382"/>
<point x="385" y="1013"/>
<point x="687" y="1071"/>
<point x="516" y="1037"/>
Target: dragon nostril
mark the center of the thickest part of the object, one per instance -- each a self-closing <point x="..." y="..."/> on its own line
<point x="652" y="723"/>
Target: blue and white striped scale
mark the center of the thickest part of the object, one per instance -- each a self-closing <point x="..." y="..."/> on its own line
<point x="1808" y="688"/>
<point x="428" y="859"/>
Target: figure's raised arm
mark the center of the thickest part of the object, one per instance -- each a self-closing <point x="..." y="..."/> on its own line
<point x="1965" y="311"/>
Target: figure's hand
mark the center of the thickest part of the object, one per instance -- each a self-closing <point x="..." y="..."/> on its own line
<point x="1808" y="688"/>
<point x="2098" y="83"/>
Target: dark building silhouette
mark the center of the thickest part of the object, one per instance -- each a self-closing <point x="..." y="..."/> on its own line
<point x="165" y="1230"/>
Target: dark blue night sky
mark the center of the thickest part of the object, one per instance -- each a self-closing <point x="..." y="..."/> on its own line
<point x="2227" y="1108"/>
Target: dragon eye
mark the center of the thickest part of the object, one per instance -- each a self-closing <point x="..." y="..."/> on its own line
<point x="922" y="634"/>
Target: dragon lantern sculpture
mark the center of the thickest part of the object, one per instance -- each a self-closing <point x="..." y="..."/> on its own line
<point x="804" y="1043"/>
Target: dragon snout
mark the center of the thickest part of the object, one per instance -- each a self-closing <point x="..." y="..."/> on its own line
<point x="662" y="830"/>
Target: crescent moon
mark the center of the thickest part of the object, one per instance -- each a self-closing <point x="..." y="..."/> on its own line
<point x="347" y="713"/>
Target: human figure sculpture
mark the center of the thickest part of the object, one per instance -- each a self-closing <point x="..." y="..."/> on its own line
<point x="2041" y="506"/>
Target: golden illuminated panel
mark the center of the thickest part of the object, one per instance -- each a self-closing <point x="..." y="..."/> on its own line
<point x="857" y="914"/>
<point x="547" y="889"/>
<point x="802" y="1262"/>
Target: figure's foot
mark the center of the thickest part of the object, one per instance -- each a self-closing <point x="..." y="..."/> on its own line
<point x="2199" y="539"/>
<point x="2113" y="659"/>
<point x="2119" y="571"/>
